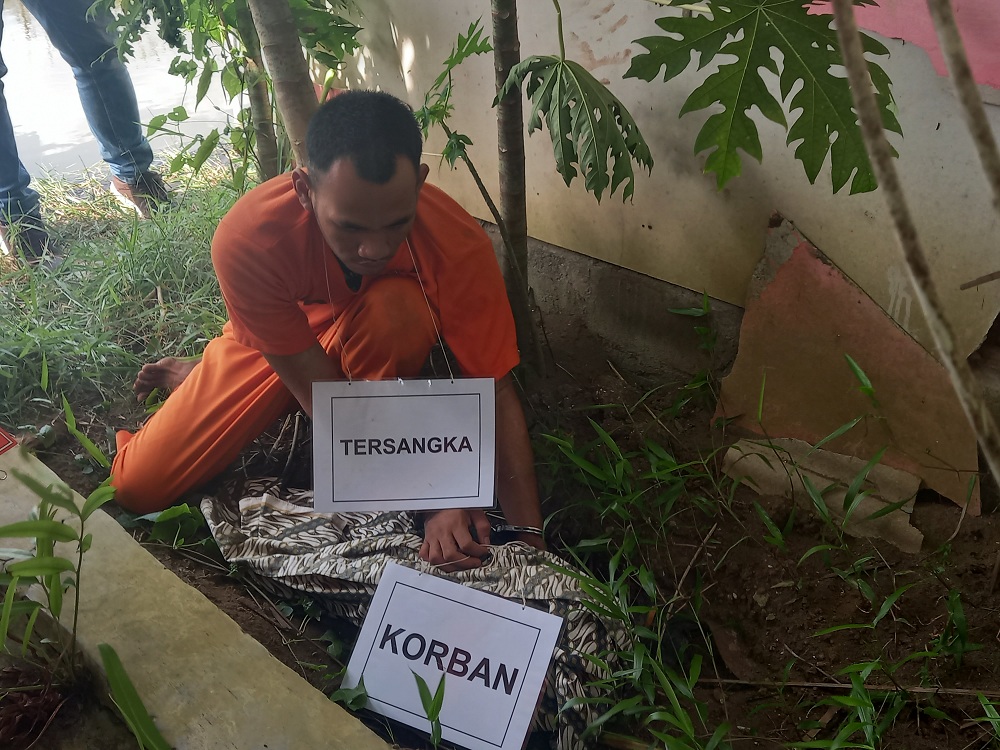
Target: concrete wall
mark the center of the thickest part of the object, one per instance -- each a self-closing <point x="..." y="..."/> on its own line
<point x="631" y="314"/>
<point x="678" y="227"/>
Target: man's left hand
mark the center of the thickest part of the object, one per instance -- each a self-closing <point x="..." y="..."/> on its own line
<point x="448" y="542"/>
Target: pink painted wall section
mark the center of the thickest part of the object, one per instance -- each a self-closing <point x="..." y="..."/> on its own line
<point x="909" y="20"/>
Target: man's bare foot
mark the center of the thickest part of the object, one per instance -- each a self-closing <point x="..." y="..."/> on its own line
<point x="165" y="375"/>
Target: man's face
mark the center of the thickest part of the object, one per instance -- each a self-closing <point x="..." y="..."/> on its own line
<point x="363" y="223"/>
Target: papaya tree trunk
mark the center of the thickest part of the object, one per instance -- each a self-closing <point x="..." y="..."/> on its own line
<point x="265" y="142"/>
<point x="282" y="51"/>
<point x="513" y="209"/>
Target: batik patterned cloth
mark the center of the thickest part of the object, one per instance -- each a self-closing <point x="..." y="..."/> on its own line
<point x="337" y="559"/>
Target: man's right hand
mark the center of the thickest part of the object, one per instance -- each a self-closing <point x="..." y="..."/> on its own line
<point x="448" y="541"/>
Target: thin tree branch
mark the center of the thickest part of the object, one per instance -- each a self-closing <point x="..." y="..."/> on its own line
<point x="964" y="84"/>
<point x="965" y="383"/>
<point x="968" y="94"/>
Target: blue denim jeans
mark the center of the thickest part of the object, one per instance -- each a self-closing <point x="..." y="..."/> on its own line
<point x="105" y="91"/>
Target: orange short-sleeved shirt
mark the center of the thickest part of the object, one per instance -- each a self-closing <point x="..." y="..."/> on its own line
<point x="281" y="282"/>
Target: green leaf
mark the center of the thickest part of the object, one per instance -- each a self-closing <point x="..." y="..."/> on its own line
<point x="606" y="438"/>
<point x="776" y="538"/>
<point x="33" y="529"/>
<point x="204" y="81"/>
<point x="40" y="566"/>
<point x="890" y="508"/>
<point x="95" y="453"/>
<point x="177" y="114"/>
<point x="57" y="494"/>
<point x="588" y="125"/>
<point x="129" y="703"/>
<point x="156" y="123"/>
<point x="854" y="495"/>
<point x="6" y="612"/>
<point x="935" y="713"/>
<point x="818" y="548"/>
<point x="821" y="107"/>
<point x="54" y="587"/>
<point x="473" y="43"/>
<point x="205" y="150"/>
<point x="891" y="600"/>
<point x="438" y="702"/>
<point x="426" y="699"/>
<point x="354" y="698"/>
<point x="456" y="148"/>
<point x="838" y="628"/>
<point x="32" y="608"/>
<point x="176" y="523"/>
<point x="327" y="37"/>
<point x="866" y="385"/>
<point x="96" y="499"/>
<point x="232" y="82"/>
<point x="625" y="706"/>
<point x="844" y="428"/>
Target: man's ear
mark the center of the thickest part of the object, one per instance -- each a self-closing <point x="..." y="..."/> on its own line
<point x="300" y="181"/>
<point x="422" y="175"/>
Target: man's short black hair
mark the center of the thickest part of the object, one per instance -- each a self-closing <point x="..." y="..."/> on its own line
<point x="371" y="128"/>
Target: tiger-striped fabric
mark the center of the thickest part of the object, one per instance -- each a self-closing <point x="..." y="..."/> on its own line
<point x="338" y="559"/>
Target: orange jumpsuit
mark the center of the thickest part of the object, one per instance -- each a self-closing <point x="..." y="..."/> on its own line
<point x="284" y="290"/>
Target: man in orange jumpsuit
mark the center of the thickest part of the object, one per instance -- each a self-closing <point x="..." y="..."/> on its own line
<point x="351" y="266"/>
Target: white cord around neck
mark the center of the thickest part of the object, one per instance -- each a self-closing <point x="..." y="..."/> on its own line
<point x="437" y="331"/>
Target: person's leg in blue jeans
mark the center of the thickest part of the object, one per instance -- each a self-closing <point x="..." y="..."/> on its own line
<point x="18" y="202"/>
<point x="104" y="84"/>
<point x="106" y="93"/>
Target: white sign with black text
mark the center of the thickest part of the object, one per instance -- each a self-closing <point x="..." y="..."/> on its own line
<point x="493" y="654"/>
<point x="404" y="444"/>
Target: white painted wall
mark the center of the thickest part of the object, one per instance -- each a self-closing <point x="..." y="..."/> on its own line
<point x="679" y="227"/>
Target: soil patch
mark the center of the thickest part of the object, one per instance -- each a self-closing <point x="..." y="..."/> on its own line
<point x="781" y="631"/>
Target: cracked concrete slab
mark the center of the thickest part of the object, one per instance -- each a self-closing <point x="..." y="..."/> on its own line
<point x="802" y="317"/>
<point x="780" y="466"/>
<point x="208" y="685"/>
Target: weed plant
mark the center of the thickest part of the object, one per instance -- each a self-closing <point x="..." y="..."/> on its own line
<point x="649" y="688"/>
<point x="648" y="682"/>
<point x="127" y="291"/>
<point x="28" y="707"/>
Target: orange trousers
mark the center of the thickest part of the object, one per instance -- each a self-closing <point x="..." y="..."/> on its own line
<point x="233" y="395"/>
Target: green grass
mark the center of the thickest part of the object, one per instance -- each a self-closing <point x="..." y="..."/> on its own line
<point x="128" y="291"/>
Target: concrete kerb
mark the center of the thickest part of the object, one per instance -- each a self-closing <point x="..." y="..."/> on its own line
<point x="208" y="685"/>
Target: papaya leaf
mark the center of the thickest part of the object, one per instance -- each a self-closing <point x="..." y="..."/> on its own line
<point x="588" y="125"/>
<point x="328" y="37"/>
<point x="802" y="51"/>
<point x="437" y="101"/>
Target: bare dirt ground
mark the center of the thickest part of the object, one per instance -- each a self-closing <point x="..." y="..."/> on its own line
<point x="768" y="672"/>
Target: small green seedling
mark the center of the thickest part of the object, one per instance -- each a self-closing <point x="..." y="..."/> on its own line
<point x="954" y="639"/>
<point x="49" y="571"/>
<point x="432" y="705"/>
<point x="992" y="717"/>
<point x="775" y="535"/>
